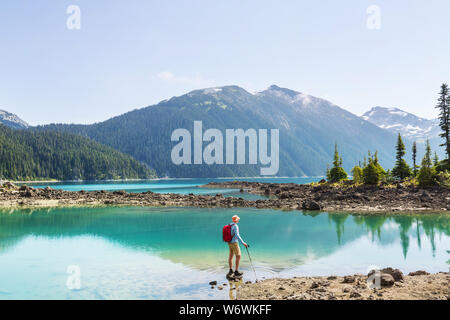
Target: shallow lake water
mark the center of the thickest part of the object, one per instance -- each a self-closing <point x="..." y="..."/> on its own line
<point x="173" y="253"/>
<point x="184" y="186"/>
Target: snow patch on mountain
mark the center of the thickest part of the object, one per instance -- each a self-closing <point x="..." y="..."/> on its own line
<point x="399" y="121"/>
<point x="11" y="120"/>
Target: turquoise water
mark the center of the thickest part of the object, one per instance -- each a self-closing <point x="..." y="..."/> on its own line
<point x="184" y="186"/>
<point x="173" y="253"/>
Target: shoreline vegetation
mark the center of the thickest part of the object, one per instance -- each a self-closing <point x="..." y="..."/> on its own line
<point x="327" y="197"/>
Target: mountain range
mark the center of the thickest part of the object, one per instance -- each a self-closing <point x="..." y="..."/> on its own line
<point x="309" y="127"/>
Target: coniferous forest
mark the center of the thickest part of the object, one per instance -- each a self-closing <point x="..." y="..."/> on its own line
<point x="28" y="155"/>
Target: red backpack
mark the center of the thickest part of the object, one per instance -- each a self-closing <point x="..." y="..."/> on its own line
<point x="226" y="233"/>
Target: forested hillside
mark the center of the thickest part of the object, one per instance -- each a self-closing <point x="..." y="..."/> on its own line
<point x="27" y="155"/>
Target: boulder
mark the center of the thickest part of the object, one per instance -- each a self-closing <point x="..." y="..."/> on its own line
<point x="348" y="279"/>
<point x="284" y="195"/>
<point x="396" y="274"/>
<point x="355" y="294"/>
<point x="314" y="285"/>
<point x="386" y="280"/>
<point x="311" y="205"/>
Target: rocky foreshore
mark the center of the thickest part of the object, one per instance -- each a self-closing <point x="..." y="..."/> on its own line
<point x="279" y="196"/>
<point x="391" y="285"/>
<point x="397" y="198"/>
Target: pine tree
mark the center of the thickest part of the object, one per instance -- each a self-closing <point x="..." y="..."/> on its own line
<point x="427" y="173"/>
<point x="371" y="174"/>
<point x="414" y="156"/>
<point x="401" y="169"/>
<point x="444" y="116"/>
<point x="382" y="173"/>
<point x="357" y="173"/>
<point x="337" y="173"/>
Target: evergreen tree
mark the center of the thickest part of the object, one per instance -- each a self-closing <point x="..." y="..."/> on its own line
<point x="427" y="173"/>
<point x="337" y="173"/>
<point x="382" y="173"/>
<point x="401" y="169"/>
<point x="414" y="156"/>
<point x="373" y="172"/>
<point x="435" y="159"/>
<point x="357" y="173"/>
<point x="370" y="173"/>
<point x="444" y="116"/>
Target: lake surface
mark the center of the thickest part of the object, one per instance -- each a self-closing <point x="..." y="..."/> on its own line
<point x="183" y="186"/>
<point x="173" y="253"/>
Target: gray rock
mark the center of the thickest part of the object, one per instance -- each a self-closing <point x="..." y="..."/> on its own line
<point x="395" y="273"/>
<point x="310" y="205"/>
<point x="348" y="279"/>
<point x="386" y="280"/>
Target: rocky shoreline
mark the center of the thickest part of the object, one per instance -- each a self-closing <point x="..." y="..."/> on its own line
<point x="369" y="200"/>
<point x="392" y="285"/>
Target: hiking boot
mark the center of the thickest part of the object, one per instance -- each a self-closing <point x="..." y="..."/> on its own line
<point x="238" y="274"/>
<point x="230" y="273"/>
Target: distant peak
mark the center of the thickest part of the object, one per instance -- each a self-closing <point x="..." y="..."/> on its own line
<point x="275" y="88"/>
<point x="222" y="89"/>
<point x="11" y="120"/>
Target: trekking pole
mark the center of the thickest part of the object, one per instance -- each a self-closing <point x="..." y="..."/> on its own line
<point x="251" y="262"/>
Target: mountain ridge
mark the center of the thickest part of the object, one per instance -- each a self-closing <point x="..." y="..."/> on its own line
<point x="305" y="147"/>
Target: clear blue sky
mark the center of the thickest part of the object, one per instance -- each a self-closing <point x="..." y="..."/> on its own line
<point x="130" y="54"/>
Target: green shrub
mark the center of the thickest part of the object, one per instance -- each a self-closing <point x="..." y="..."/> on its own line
<point x="337" y="174"/>
<point x="443" y="165"/>
<point x="443" y="179"/>
<point x="357" y="173"/>
<point x="427" y="176"/>
<point x="371" y="174"/>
